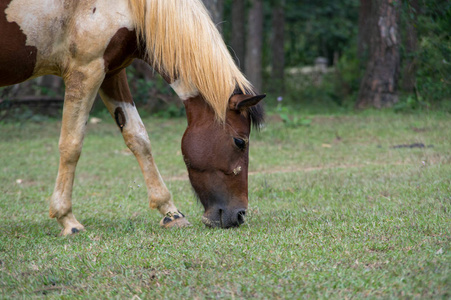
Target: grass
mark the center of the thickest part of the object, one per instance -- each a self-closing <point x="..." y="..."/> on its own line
<point x="335" y="212"/>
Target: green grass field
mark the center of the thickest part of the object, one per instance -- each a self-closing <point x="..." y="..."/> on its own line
<point x="335" y="212"/>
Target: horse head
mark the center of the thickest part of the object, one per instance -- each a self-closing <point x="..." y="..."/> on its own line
<point x="216" y="155"/>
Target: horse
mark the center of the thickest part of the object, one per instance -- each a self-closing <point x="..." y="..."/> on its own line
<point x="89" y="43"/>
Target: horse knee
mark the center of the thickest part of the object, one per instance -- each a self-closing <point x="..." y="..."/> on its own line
<point x="70" y="150"/>
<point x="137" y="143"/>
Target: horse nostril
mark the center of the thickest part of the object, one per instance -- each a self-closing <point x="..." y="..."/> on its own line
<point x="240" y="216"/>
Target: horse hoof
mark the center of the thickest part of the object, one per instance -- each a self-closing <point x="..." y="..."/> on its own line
<point x="71" y="231"/>
<point x="176" y="220"/>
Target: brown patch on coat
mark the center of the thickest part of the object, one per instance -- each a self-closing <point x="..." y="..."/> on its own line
<point x="17" y="61"/>
<point x="116" y="87"/>
<point x="121" y="51"/>
<point x="119" y="116"/>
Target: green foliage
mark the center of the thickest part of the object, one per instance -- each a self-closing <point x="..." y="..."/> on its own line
<point x="319" y="28"/>
<point x="46" y="91"/>
<point x="313" y="28"/>
<point x="348" y="74"/>
<point x="143" y="88"/>
<point x="324" y="29"/>
<point x="434" y="68"/>
<point x="21" y="114"/>
<point x="289" y="118"/>
<point x="410" y="102"/>
<point x="171" y="111"/>
<point x="310" y="94"/>
<point x="433" y="58"/>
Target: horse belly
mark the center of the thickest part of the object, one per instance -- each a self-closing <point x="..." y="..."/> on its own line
<point x="17" y="60"/>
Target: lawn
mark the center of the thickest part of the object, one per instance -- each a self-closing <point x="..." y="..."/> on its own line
<point x="347" y="205"/>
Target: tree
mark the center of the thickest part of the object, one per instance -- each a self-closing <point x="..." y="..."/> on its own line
<point x="253" y="68"/>
<point x="216" y="9"/>
<point x="408" y="82"/>
<point x="238" y="39"/>
<point x="379" y="85"/>
<point x="364" y="34"/>
<point x="277" y="45"/>
<point x="319" y="28"/>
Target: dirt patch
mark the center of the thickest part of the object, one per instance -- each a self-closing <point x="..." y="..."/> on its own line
<point x="414" y="145"/>
<point x="300" y="169"/>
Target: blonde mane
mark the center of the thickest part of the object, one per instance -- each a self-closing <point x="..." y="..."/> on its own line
<point x="183" y="44"/>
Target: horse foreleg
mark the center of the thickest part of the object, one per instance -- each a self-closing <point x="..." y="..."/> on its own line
<point x="81" y="88"/>
<point x="115" y="93"/>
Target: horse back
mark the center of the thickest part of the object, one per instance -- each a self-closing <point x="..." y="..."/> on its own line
<point x="40" y="37"/>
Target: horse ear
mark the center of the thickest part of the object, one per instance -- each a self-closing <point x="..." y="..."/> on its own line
<point x="241" y="101"/>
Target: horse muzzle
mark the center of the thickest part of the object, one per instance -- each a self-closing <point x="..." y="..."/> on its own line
<point x="224" y="218"/>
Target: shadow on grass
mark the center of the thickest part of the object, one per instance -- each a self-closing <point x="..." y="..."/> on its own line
<point x="115" y="225"/>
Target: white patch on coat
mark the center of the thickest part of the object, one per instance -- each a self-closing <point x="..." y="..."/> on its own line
<point x="182" y="91"/>
<point x="237" y="170"/>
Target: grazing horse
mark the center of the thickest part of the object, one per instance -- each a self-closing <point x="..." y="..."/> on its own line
<point x="90" y="42"/>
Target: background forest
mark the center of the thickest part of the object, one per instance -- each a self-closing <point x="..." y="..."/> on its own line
<point x="319" y="55"/>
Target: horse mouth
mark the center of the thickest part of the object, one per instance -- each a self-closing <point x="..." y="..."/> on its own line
<point x="213" y="223"/>
<point x="210" y="223"/>
<point x="225" y="221"/>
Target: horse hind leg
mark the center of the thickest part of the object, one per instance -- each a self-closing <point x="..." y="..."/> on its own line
<point x="81" y="89"/>
<point x="115" y="93"/>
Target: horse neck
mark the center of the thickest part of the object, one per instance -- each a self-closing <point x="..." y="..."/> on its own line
<point x="198" y="111"/>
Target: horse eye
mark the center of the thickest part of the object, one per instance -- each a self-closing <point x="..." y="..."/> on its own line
<point x="240" y="143"/>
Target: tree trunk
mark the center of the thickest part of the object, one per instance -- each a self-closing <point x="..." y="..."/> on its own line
<point x="254" y="44"/>
<point x="379" y="85"/>
<point x="411" y="45"/>
<point x="278" y="50"/>
<point x="363" y="37"/>
<point x="216" y="9"/>
<point x="238" y="41"/>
